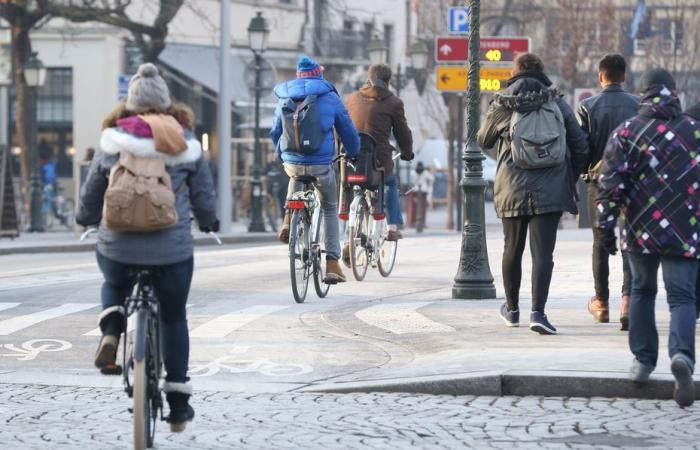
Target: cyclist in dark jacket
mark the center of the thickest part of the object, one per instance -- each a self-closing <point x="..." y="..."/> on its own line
<point x="599" y="116"/>
<point x="650" y="171"/>
<point x="531" y="199"/>
<point x="169" y="251"/>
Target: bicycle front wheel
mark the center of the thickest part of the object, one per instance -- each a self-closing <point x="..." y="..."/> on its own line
<point x="386" y="257"/>
<point x="358" y="234"/>
<point x="142" y="406"/>
<point x="299" y="253"/>
<point x="317" y="242"/>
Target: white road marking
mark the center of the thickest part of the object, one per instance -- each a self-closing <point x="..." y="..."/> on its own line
<point x="222" y="326"/>
<point x="130" y="325"/>
<point x="401" y="318"/>
<point x="8" y="305"/>
<point x="40" y="280"/>
<point x="17" y="323"/>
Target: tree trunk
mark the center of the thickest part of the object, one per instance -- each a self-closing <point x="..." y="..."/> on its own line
<point x="21" y="48"/>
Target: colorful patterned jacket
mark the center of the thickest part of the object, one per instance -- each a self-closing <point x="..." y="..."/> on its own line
<point x="651" y="172"/>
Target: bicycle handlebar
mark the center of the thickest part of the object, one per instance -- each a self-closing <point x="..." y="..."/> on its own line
<point x="215" y="237"/>
<point x="87" y="233"/>
<point x="347" y="161"/>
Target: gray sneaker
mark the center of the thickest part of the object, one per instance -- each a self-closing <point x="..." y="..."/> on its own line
<point x="640" y="373"/>
<point x="682" y="369"/>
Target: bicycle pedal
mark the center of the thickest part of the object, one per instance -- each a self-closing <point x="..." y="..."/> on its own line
<point x="111" y="369"/>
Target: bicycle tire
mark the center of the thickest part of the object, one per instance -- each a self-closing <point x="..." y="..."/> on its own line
<point x="142" y="404"/>
<point x="320" y="257"/>
<point x="298" y="254"/>
<point x="388" y="249"/>
<point x="357" y="237"/>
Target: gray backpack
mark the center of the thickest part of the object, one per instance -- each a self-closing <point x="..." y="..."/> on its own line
<point x="538" y="138"/>
<point x="301" y="126"/>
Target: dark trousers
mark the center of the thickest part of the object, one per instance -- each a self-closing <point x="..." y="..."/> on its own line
<point x="601" y="267"/>
<point x="680" y="276"/>
<point x="543" y="237"/>
<point x="172" y="285"/>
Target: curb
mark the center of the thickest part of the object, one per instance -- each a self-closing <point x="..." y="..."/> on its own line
<point x="516" y="383"/>
<point x="90" y="247"/>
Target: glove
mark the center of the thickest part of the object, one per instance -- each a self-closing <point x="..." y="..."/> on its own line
<point x="214" y="228"/>
<point x="608" y="239"/>
<point x="408" y="158"/>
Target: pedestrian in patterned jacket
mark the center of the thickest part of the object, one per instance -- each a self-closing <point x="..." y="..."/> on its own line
<point x="694" y="112"/>
<point x="650" y="171"/>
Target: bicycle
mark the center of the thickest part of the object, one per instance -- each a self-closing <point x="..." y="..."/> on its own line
<point x="306" y="235"/>
<point x="142" y="364"/>
<point x="367" y="231"/>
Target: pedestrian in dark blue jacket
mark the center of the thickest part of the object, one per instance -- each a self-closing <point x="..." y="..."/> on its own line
<point x="317" y="111"/>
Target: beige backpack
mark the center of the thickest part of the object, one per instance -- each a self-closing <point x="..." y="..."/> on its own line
<point x="139" y="197"/>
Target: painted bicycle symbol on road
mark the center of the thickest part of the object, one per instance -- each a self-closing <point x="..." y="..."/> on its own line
<point x="233" y="364"/>
<point x="29" y="350"/>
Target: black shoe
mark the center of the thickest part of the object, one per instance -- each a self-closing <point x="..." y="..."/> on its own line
<point x="111" y="322"/>
<point x="180" y="410"/>
<point x="511" y="318"/>
<point x="540" y="324"/>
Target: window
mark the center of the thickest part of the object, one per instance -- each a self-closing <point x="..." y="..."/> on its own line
<point x="55" y="103"/>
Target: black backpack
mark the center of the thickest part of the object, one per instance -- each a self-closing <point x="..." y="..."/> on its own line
<point x="366" y="173"/>
<point x="301" y="126"/>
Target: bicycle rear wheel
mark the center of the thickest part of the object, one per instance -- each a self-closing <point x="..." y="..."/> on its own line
<point x="317" y="242"/>
<point x="142" y="406"/>
<point x="357" y="236"/>
<point x="299" y="253"/>
<point x="386" y="255"/>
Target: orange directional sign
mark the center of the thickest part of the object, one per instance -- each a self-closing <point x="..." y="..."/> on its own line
<point x="455" y="78"/>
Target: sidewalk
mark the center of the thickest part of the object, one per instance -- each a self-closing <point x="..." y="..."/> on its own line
<point x="66" y="241"/>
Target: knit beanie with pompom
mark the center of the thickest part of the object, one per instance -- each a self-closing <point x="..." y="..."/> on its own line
<point x="147" y="90"/>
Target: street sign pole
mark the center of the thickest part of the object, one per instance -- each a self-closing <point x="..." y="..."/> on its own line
<point x="473" y="279"/>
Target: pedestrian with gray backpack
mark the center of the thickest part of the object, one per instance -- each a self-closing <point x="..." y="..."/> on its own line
<point x="540" y="151"/>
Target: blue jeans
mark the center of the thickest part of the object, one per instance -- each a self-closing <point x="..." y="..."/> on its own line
<point x="392" y="200"/>
<point x="679" y="276"/>
<point x="172" y="286"/>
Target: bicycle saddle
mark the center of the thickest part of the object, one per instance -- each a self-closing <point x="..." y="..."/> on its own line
<point x="308" y="179"/>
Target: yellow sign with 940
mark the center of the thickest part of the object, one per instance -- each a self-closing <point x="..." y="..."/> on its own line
<point x="455" y="78"/>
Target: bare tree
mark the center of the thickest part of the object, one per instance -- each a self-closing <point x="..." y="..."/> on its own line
<point x="149" y="37"/>
<point x="22" y="16"/>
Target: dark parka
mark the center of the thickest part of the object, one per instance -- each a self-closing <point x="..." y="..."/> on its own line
<point x="378" y="112"/>
<point x="599" y="116"/>
<point x="526" y="192"/>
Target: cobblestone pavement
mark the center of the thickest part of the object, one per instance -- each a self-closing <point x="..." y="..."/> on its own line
<point x="35" y="417"/>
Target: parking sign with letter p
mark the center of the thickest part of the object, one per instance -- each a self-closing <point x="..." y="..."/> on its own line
<point x="459" y="20"/>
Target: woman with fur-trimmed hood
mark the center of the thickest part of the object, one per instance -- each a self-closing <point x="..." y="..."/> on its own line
<point x="151" y="125"/>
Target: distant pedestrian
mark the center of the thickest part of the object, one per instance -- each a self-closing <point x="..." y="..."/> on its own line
<point x="650" y="172"/>
<point x="89" y="154"/>
<point x="541" y="150"/>
<point x="599" y="116"/>
<point x="423" y="188"/>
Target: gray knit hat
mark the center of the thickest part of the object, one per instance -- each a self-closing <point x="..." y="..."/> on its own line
<point x="147" y="90"/>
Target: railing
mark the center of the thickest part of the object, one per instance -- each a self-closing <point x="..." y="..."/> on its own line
<point x="342" y="44"/>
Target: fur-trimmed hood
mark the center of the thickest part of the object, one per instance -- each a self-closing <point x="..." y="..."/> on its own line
<point x="116" y="139"/>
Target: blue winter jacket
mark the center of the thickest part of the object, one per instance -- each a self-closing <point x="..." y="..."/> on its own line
<point x="333" y="114"/>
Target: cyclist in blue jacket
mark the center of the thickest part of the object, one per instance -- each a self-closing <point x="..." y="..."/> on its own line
<point x="327" y="113"/>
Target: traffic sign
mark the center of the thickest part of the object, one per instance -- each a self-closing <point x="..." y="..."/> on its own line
<point x="491" y="49"/>
<point x="451" y="48"/>
<point x="459" y="20"/>
<point x="455" y="78"/>
<point x="452" y="78"/>
<point x="503" y="49"/>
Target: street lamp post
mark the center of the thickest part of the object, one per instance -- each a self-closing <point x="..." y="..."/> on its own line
<point x="474" y="279"/>
<point x="257" y="37"/>
<point x="34" y="76"/>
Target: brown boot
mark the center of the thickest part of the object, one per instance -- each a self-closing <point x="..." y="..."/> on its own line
<point x="393" y="236"/>
<point x="283" y="234"/>
<point x="334" y="274"/>
<point x="624" y="313"/>
<point x="599" y="310"/>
